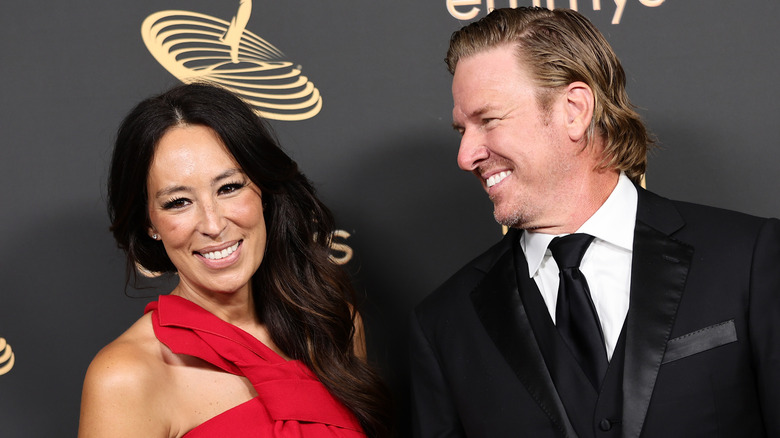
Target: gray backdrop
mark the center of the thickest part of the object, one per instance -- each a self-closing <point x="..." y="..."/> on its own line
<point x="381" y="151"/>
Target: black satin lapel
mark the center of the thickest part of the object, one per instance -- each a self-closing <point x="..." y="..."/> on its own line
<point x="498" y="305"/>
<point x="658" y="274"/>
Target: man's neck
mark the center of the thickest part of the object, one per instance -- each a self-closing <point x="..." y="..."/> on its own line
<point x="588" y="195"/>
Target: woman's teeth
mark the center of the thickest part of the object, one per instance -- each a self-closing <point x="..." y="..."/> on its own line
<point x="216" y="255"/>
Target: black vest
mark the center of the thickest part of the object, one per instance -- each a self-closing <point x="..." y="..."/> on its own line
<point x="593" y="414"/>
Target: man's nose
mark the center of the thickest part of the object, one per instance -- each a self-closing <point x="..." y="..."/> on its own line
<point x="472" y="150"/>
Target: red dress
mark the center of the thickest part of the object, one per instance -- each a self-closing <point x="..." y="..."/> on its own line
<point x="291" y="402"/>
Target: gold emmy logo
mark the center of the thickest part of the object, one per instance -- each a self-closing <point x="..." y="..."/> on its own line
<point x="197" y="47"/>
<point x="7" y="358"/>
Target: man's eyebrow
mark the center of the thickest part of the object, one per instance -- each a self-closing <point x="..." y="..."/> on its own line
<point x="481" y="110"/>
<point x="476" y="113"/>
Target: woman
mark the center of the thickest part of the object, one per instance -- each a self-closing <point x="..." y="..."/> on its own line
<point x="260" y="337"/>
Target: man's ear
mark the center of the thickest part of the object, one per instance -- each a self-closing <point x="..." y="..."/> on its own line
<point x="579" y="110"/>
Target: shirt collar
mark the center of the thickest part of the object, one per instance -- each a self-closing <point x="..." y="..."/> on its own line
<point x="613" y="222"/>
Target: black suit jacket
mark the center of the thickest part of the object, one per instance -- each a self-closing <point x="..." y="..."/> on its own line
<point x="702" y="353"/>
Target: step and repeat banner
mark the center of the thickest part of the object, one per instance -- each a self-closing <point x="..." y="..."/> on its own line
<point x="364" y="106"/>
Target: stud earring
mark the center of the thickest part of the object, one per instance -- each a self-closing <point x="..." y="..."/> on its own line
<point x="154" y="236"/>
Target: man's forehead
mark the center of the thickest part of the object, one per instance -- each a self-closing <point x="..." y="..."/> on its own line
<point x="475" y="97"/>
<point x="494" y="69"/>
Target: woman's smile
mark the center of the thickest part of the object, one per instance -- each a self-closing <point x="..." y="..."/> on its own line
<point x="218" y="254"/>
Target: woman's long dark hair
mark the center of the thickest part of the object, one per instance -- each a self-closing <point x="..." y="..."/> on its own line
<point x="306" y="301"/>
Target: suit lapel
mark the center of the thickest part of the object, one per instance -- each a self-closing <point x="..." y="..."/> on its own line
<point x="658" y="274"/>
<point x="501" y="311"/>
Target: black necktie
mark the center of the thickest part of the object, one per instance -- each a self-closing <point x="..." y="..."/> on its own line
<point x="575" y="315"/>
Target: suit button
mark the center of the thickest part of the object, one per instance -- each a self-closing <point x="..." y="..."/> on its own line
<point x="605" y="425"/>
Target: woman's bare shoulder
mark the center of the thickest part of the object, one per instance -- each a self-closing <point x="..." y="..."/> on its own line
<point x="134" y="355"/>
<point x="125" y="386"/>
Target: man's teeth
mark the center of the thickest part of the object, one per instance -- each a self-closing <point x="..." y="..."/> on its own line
<point x="497" y="178"/>
<point x="216" y="255"/>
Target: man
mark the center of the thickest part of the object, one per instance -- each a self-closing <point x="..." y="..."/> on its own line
<point x="674" y="330"/>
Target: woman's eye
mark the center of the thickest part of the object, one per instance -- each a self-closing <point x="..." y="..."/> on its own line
<point x="230" y="188"/>
<point x="175" y="203"/>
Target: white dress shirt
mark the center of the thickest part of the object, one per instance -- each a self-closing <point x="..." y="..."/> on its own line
<point x="606" y="264"/>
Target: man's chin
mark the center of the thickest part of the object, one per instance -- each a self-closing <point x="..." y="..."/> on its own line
<point x="507" y="220"/>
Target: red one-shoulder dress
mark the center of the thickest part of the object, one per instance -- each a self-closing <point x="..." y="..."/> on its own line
<point x="290" y="401"/>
